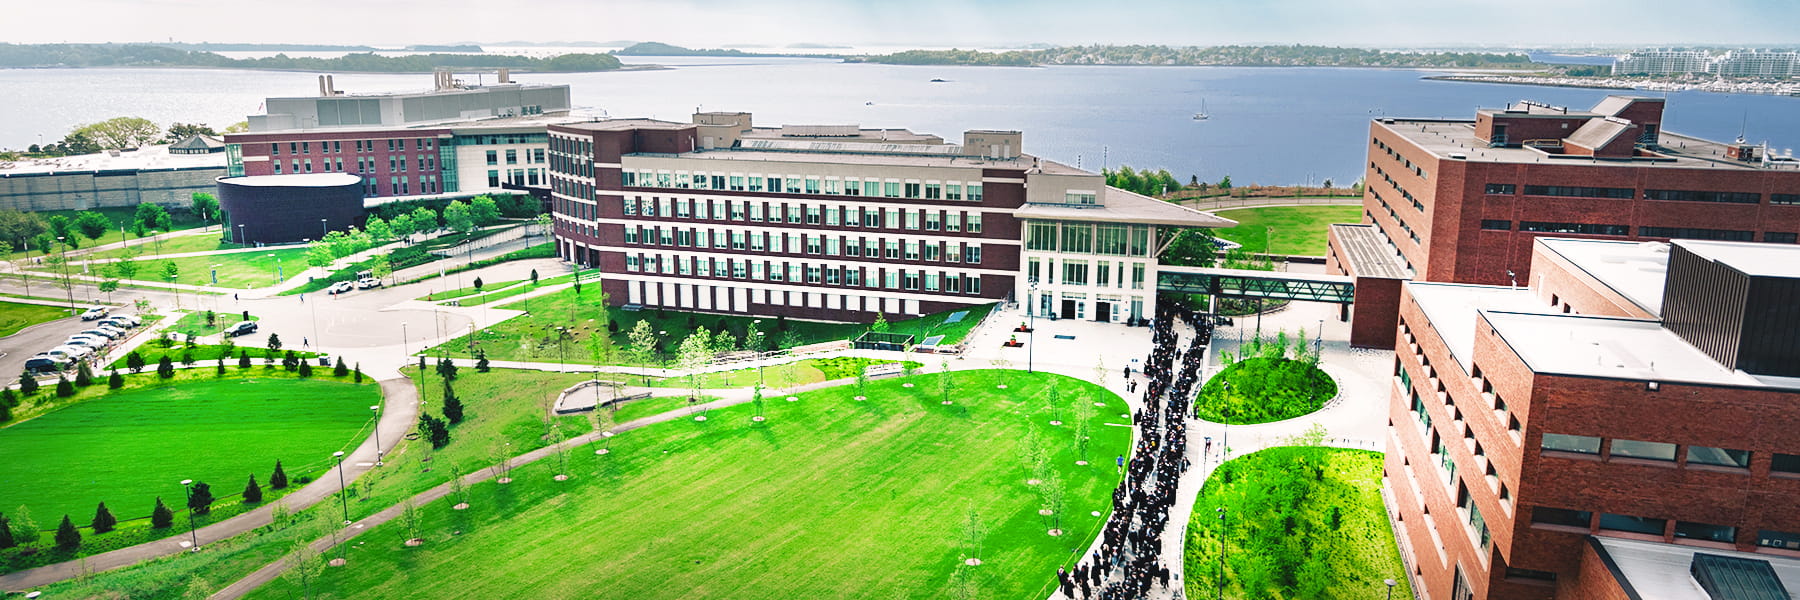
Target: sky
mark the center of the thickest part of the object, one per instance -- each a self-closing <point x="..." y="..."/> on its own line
<point x="920" y="23"/>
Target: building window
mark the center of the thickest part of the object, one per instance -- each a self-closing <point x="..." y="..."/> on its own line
<point x="1780" y="237"/>
<point x="973" y="285"/>
<point x="1785" y="463"/>
<point x="1583" y="228"/>
<point x="1695" y="233"/>
<point x="1784" y="198"/>
<point x="1778" y="539"/>
<point x="1698" y="196"/>
<point x="974" y="192"/>
<point x="1501" y="188"/>
<point x="493" y="157"/>
<point x="912" y="219"/>
<point x="972" y="255"/>
<point x="1631" y="524"/>
<point x="934" y="220"/>
<point x="1568" y="191"/>
<point x="974" y="223"/>
<point x="1562" y="516"/>
<point x="512" y="156"/>
<point x="1074" y="272"/>
<point x="1496" y="224"/>
<point x="1644" y="450"/>
<point x="1722" y="457"/>
<point x="1704" y="531"/>
<point x="1083" y="198"/>
<point x="1518" y="573"/>
<point x="1571" y="443"/>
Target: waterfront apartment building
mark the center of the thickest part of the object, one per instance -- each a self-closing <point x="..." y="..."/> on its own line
<point x="455" y="140"/>
<point x="842" y="223"/>
<point x="1632" y="406"/>
<point x="1662" y="62"/>
<point x="1461" y="201"/>
<point x="1772" y="64"/>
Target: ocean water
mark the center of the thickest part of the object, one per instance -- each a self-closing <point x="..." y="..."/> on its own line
<point x="1268" y="125"/>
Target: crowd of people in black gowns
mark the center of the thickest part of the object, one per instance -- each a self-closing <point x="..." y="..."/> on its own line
<point x="1128" y="563"/>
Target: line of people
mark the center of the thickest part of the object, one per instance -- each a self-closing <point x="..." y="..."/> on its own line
<point x="1128" y="562"/>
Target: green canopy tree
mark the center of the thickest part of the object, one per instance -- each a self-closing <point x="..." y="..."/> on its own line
<point x="67" y="536"/>
<point x="92" y="224"/>
<point x="458" y="217"/>
<point x="161" y="517"/>
<point x="104" y="520"/>
<point x="204" y="205"/>
<point x="121" y="132"/>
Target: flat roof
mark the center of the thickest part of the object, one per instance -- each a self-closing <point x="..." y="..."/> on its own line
<point x="1369" y="253"/>
<point x="1614" y="348"/>
<point x="841" y="133"/>
<point x="1635" y="270"/>
<point x="1659" y="571"/>
<point x="852" y="158"/>
<point x="294" y="180"/>
<point x="1445" y="137"/>
<point x="623" y="124"/>
<point x="465" y="89"/>
<point x="145" y="158"/>
<point x="1120" y="206"/>
<point x="1452" y="307"/>
<point x="1758" y="260"/>
<point x="456" y="125"/>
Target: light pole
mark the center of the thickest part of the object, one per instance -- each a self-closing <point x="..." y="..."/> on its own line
<point x="377" y="409"/>
<point x="1221" y="553"/>
<point x="69" y="286"/>
<point x="403" y="338"/>
<point x="322" y="230"/>
<point x="154" y="236"/>
<point x="240" y="234"/>
<point x="193" y="536"/>
<point x="278" y="274"/>
<point x="215" y="273"/>
<point x="1031" y="333"/>
<point x="1319" y="339"/>
<point x="1390" y="583"/>
<point x="343" y="499"/>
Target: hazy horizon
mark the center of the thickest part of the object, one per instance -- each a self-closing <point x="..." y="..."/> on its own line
<point x="929" y="23"/>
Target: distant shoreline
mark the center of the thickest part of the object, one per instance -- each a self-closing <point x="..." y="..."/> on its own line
<point x="513" y="70"/>
<point x="1764" y="88"/>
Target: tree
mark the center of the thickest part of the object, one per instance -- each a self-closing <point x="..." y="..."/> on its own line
<point x="28" y="385"/>
<point x="107" y="287"/>
<point x="121" y="132"/>
<point x="380" y="267"/>
<point x="1191" y="248"/>
<point x="642" y="343"/>
<point x="446" y="368"/>
<point x="318" y="254"/>
<point x="64" y="388"/>
<point x="694" y="353"/>
<point x="304" y="567"/>
<point x="187" y="357"/>
<point x="104" y="520"/>
<point x="6" y="534"/>
<point x="477" y="284"/>
<point x="84" y="375"/>
<point x="134" y="361"/>
<point x="880" y="325"/>
<point x="204" y="205"/>
<point x="238" y="127"/>
<point x="243" y="359"/>
<point x="274" y="342"/>
<point x="542" y="221"/>
<point x="165" y="368"/>
<point x="24" y="528"/>
<point x="182" y="131"/>
<point x="402" y="226"/>
<point x="434" y="430"/>
<point x="252" y="492"/>
<point x="453" y="406"/>
<point x="424" y="220"/>
<point x="170" y="270"/>
<point x="152" y="216"/>
<point x="458" y="217"/>
<point x="200" y="499"/>
<point x="305" y="369"/>
<point x="278" y="479"/>
<point x="115" y="380"/>
<point x="534" y="277"/>
<point x="481" y="361"/>
<point x="67" y="537"/>
<point x="483" y="210"/>
<point x="161" y="517"/>
<point x="340" y="369"/>
<point x="92" y="224"/>
<point x="378" y="229"/>
<point x="1225" y="184"/>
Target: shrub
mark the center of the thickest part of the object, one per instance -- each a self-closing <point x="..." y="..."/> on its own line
<point x="161" y="517"/>
<point x="1262" y="390"/>
<point x="67" y="537"/>
<point x="165" y="368"/>
<point x="115" y="380"/>
<point x="104" y="520"/>
<point x="84" y="375"/>
<point x="252" y="492"/>
<point x="278" y="480"/>
<point x="340" y="369"/>
<point x="64" y="387"/>
<point x="28" y="385"/>
<point x="134" y="362"/>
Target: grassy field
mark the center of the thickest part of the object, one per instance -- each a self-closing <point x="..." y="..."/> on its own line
<point x="194" y="323"/>
<point x="129" y="447"/>
<point x="206" y="354"/>
<point x="812" y="370"/>
<point x="470" y="290"/>
<point x="15" y="316"/>
<point x="120" y="215"/>
<point x="148" y="248"/>
<point x="1295" y="230"/>
<point x="1263" y="390"/>
<point x="1301" y="522"/>
<point x="830" y="498"/>
<point x="533" y="337"/>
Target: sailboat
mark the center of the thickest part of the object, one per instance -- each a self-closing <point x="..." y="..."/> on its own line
<point x="1202" y="116"/>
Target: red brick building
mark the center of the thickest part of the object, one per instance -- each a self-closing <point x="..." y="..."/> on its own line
<point x="1633" y="391"/>
<point x="1461" y="201"/>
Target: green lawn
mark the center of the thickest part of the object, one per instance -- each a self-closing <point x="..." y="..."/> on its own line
<point x="470" y="290"/>
<point x="148" y="248"/>
<point x="129" y="447"/>
<point x="1301" y="522"/>
<point x="1263" y="390"/>
<point x="1294" y="230"/>
<point x="206" y="354"/>
<point x="830" y="498"/>
<point x="812" y="370"/>
<point x="194" y="323"/>
<point x="533" y="337"/>
<point x="236" y="270"/>
<point x="120" y="215"/>
<point x="15" y="316"/>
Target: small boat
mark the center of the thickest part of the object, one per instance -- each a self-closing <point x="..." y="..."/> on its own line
<point x="870" y="103"/>
<point x="934" y="80"/>
<point x="1202" y="116"/>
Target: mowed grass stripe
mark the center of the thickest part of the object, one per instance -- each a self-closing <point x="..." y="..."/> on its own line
<point x="127" y="448"/>
<point x="830" y="498"/>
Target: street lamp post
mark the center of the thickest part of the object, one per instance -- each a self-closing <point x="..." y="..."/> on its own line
<point x="377" y="409"/>
<point x="403" y="338"/>
<point x="1390" y="584"/>
<point x="193" y="536"/>
<point x="278" y="274"/>
<point x="240" y="234"/>
<point x="69" y="286"/>
<point x="322" y="229"/>
<point x="1221" y="553"/>
<point x="343" y="499"/>
<point x="1031" y="335"/>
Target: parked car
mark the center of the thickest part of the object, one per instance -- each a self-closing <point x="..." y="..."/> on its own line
<point x="241" y="328"/>
<point x="119" y="321"/>
<point x="368" y="282"/>
<point x="340" y="287"/>
<point x="86" y="340"/>
<point x="111" y="328"/>
<point x="69" y="352"/>
<point x="134" y="321"/>
<point x="94" y="313"/>
<point x="105" y="332"/>
<point x="46" y="363"/>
